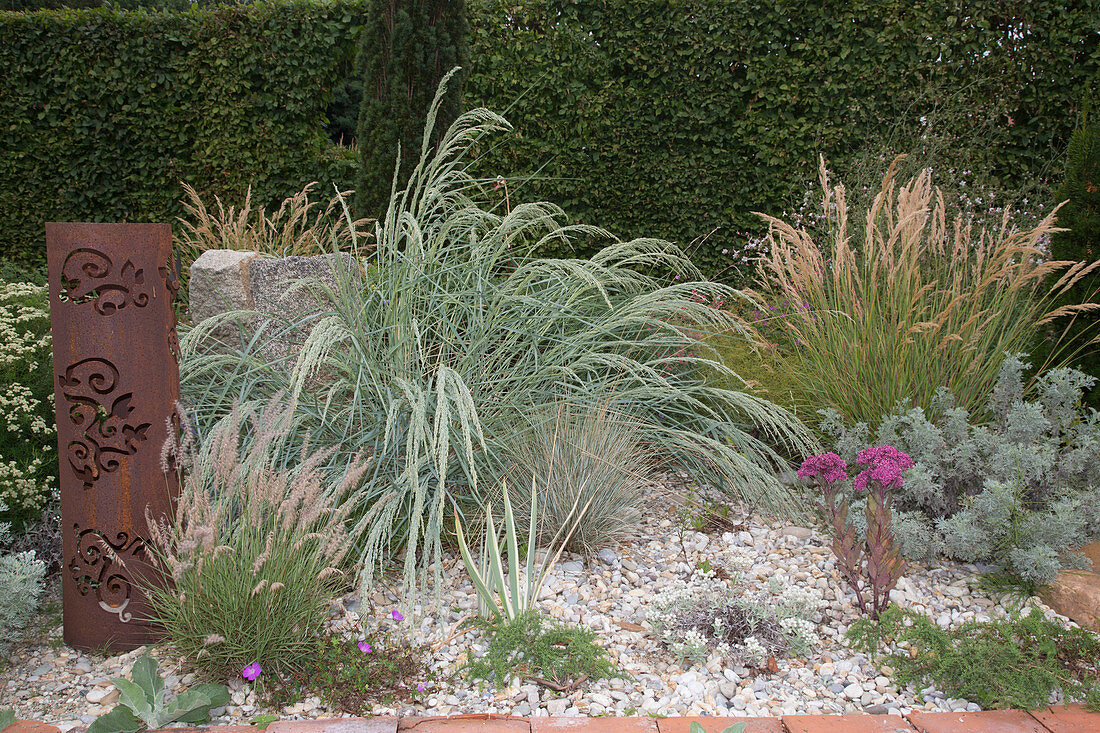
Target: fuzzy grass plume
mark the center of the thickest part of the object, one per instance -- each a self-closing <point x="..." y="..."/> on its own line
<point x="912" y="303"/>
<point x="255" y="550"/>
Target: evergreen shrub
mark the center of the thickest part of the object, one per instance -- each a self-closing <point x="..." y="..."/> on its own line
<point x="104" y="112"/>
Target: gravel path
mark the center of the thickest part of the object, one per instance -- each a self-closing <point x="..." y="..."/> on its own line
<point x="608" y="593"/>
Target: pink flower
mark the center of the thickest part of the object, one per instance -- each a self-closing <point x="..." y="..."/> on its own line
<point x="421" y="687"/>
<point x="885" y="465"/>
<point x="397" y="616"/>
<point x="365" y="647"/>
<point x="251" y="671"/>
<point x="829" y="466"/>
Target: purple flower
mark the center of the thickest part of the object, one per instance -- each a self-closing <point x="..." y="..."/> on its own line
<point x="251" y="671"/>
<point x="397" y="616"/>
<point x="365" y="647"/>
<point x="829" y="466"/>
<point x="421" y="687"/>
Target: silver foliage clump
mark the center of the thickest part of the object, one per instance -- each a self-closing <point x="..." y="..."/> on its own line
<point x="707" y="617"/>
<point x="20" y="585"/>
<point x="1020" y="491"/>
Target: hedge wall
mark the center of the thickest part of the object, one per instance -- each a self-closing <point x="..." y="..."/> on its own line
<point x="103" y="112"/>
<point x="661" y="117"/>
<point x="679" y="117"/>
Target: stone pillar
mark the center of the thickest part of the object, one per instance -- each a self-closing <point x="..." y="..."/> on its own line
<point x="116" y="382"/>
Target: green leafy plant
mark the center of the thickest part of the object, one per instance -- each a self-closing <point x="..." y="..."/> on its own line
<point x="262" y="721"/>
<point x="255" y="549"/>
<point x="463" y="333"/>
<point x="1012" y="663"/>
<point x="7" y="717"/>
<point x="143" y="703"/>
<point x="501" y="594"/>
<point x="407" y="48"/>
<point x="528" y="646"/>
<point x="154" y="75"/>
<point x="352" y="676"/>
<point x="28" y="460"/>
<point x="910" y="304"/>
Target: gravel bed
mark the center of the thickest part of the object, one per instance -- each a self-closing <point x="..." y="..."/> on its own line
<point x="608" y="593"/>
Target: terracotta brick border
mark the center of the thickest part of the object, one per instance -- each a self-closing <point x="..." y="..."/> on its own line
<point x="1054" y="719"/>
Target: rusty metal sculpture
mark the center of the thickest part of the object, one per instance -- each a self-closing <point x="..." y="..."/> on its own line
<point x="116" y="382"/>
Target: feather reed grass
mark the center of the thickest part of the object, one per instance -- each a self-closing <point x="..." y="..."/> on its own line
<point x="432" y="366"/>
<point x="910" y="303"/>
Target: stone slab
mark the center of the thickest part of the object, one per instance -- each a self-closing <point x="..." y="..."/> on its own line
<point x="1076" y="595"/>
<point x="219" y="284"/>
<point x="1070" y="718"/>
<point x="988" y="721"/>
<point x="859" y="723"/>
<point x="717" y="725"/>
<point x="593" y="725"/>
<point x="278" y="290"/>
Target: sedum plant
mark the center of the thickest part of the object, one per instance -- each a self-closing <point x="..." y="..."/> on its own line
<point x="909" y="302"/>
<point x="256" y="548"/>
<point x="1019" y="491"/>
<point x="869" y="560"/>
<point x="143" y="703"/>
<point x="433" y="365"/>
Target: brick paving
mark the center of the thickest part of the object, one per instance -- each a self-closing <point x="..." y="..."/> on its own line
<point x="1054" y="719"/>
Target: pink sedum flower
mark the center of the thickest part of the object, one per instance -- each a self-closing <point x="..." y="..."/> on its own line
<point x="365" y="647"/>
<point x="829" y="466"/>
<point x="885" y="465"/>
<point x="397" y="616"/>
<point x="251" y="671"/>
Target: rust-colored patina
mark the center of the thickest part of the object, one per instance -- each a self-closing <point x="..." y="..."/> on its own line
<point x="116" y="382"/>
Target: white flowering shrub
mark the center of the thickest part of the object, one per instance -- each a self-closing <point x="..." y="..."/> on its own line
<point x="20" y="584"/>
<point x="1020" y="491"/>
<point x="28" y="464"/>
<point x="706" y="616"/>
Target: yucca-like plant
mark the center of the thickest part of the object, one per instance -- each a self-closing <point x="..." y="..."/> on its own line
<point x="432" y="365"/>
<point x="508" y="594"/>
<point x="910" y="303"/>
<point x="255" y="549"/>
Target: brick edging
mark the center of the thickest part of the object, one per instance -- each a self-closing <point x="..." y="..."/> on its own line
<point x="1052" y="719"/>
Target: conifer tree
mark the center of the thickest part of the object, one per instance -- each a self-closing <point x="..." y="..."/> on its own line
<point x="407" y="47"/>
<point x="1081" y="216"/>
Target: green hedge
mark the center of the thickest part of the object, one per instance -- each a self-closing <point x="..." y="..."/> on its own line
<point x="679" y="117"/>
<point x="103" y="112"/>
<point x="661" y="117"/>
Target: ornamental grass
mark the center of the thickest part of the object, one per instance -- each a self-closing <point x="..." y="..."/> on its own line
<point x="255" y="550"/>
<point x="432" y="362"/>
<point x="911" y="303"/>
